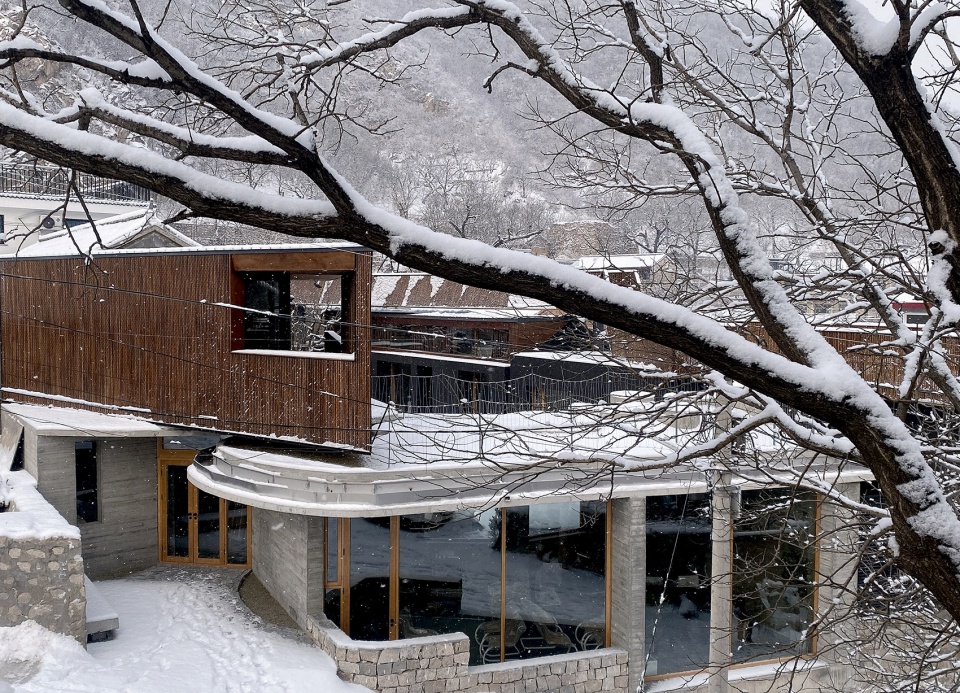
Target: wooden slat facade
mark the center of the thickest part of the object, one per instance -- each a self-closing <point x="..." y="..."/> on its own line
<point x="143" y="332"/>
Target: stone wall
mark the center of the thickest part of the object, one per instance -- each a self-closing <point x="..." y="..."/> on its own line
<point x="42" y="581"/>
<point x="440" y="664"/>
<point x="41" y="568"/>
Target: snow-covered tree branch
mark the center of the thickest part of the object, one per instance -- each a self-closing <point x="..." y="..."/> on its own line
<point x="623" y="83"/>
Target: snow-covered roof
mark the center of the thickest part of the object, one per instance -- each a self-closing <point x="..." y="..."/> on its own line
<point x="618" y="263"/>
<point x="138" y="229"/>
<point x="432" y="462"/>
<point x="411" y="291"/>
<point x="62" y="421"/>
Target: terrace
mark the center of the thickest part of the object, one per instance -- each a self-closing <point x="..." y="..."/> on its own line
<point x="47" y="182"/>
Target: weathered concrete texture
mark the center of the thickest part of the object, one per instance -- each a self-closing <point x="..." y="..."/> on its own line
<point x="440" y="664"/>
<point x="42" y="580"/>
<point x="282" y="548"/>
<point x="124" y="539"/>
<point x="628" y="582"/>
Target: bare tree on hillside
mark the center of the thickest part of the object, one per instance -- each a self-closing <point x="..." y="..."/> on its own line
<point x="646" y="100"/>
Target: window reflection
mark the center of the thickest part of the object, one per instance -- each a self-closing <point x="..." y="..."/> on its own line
<point x="449" y="570"/>
<point x="555" y="591"/>
<point x="370" y="578"/>
<point x="773" y="580"/>
<point x="450" y="576"/>
<point x="678" y="583"/>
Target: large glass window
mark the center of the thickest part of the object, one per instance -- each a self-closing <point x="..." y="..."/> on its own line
<point x="291" y="311"/>
<point x="773" y="574"/>
<point x="555" y="579"/>
<point x="678" y="583"/>
<point x="370" y="578"/>
<point x="437" y="573"/>
<point x="450" y="577"/>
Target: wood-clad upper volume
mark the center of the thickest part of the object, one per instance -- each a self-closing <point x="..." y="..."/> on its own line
<point x="161" y="335"/>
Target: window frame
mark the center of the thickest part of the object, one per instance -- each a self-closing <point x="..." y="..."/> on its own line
<point x="286" y="265"/>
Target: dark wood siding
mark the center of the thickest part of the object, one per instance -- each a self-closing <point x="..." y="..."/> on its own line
<point x="145" y="332"/>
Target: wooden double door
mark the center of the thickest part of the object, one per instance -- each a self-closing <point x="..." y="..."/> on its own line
<point x="195" y="526"/>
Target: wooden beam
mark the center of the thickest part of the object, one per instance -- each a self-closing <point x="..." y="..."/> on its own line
<point x="333" y="261"/>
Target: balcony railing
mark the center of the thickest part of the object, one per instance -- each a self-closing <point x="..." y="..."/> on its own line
<point x="48" y="182"/>
<point x="443" y="394"/>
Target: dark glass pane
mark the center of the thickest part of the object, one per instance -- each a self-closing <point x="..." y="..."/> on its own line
<point x="450" y="578"/>
<point x="191" y="442"/>
<point x="88" y="497"/>
<point x="555" y="579"/>
<point x="331" y="606"/>
<point x="236" y="533"/>
<point x="177" y="508"/>
<point x="370" y="578"/>
<point x="678" y="583"/>
<point x="208" y="525"/>
<point x="267" y="323"/>
<point x="333" y="566"/>
<point x="773" y="581"/>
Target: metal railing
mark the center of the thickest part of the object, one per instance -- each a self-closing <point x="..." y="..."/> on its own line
<point x="17" y="180"/>
<point x="443" y="394"/>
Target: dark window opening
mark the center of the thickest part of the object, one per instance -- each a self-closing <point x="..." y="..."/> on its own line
<point x="88" y="495"/>
<point x="296" y="311"/>
<point x="70" y="223"/>
<point x="17" y="463"/>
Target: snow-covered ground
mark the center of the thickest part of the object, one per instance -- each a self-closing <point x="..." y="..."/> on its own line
<point x="173" y="636"/>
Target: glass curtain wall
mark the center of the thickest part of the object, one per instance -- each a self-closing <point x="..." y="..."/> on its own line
<point x="773" y="574"/>
<point x="678" y="546"/>
<point x="449" y="578"/>
<point x="555" y="580"/>
<point x="370" y="578"/>
<point x="443" y="574"/>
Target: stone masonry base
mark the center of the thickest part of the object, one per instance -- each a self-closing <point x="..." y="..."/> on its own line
<point x="440" y="664"/>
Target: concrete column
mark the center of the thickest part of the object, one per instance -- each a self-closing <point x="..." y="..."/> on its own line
<point x="721" y="584"/>
<point x="837" y="565"/>
<point x="628" y="583"/>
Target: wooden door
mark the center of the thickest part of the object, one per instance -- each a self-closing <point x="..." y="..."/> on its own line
<point x="195" y="526"/>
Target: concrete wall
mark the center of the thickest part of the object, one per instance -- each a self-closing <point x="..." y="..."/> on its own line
<point x="124" y="540"/>
<point x="281" y="545"/>
<point x="439" y="664"/>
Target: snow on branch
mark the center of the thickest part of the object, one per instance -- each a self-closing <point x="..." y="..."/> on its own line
<point x="408" y="25"/>
<point x="96" y="154"/>
<point x="251" y="149"/>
